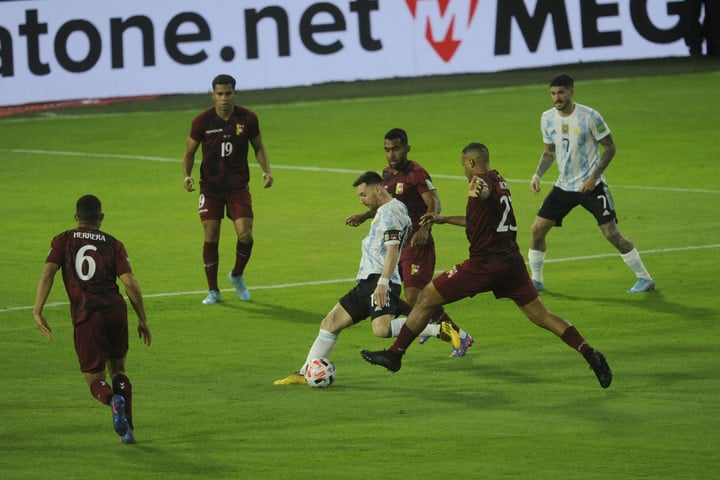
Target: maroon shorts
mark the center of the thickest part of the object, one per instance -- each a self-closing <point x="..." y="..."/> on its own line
<point x="417" y="266"/>
<point x="237" y="203"/>
<point x="505" y="276"/>
<point x="103" y="336"/>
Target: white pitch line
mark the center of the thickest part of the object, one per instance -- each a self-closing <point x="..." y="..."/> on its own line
<point x="318" y="169"/>
<point x="349" y="280"/>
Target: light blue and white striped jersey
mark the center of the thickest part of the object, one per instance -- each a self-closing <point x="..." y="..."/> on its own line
<point x="391" y="225"/>
<point x="576" y="140"/>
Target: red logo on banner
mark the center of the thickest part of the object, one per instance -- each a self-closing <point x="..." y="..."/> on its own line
<point x="444" y="43"/>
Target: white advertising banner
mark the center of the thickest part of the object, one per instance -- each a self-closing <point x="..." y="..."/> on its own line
<point x="56" y="50"/>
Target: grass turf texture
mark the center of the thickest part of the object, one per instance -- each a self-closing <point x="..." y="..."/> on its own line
<point x="520" y="405"/>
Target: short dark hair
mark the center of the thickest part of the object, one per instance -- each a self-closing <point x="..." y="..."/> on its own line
<point x="223" y="79"/>
<point x="562" y="80"/>
<point x="88" y="208"/>
<point x="397" y="134"/>
<point x="368" y="178"/>
<point x="478" y="147"/>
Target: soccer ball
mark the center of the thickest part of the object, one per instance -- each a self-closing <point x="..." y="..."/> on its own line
<point x="320" y="373"/>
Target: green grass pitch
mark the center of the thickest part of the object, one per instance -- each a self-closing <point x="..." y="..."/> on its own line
<point x="520" y="405"/>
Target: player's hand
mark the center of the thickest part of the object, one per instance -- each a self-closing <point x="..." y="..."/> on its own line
<point x="420" y="237"/>
<point x="588" y="185"/>
<point x="431" y="218"/>
<point x="380" y="296"/>
<point x="144" y="332"/>
<point x="267" y="180"/>
<point x="535" y="184"/>
<point x="43" y="326"/>
<point x="355" y="220"/>
<point x="189" y="184"/>
<point x="477" y="188"/>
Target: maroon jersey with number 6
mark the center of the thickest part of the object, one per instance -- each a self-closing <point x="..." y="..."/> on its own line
<point x="91" y="261"/>
<point x="225" y="146"/>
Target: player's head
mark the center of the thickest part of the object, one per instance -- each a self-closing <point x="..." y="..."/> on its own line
<point x="223" y="93"/>
<point x="396" y="148"/>
<point x="88" y="210"/>
<point x="397" y="134"/>
<point x="223" y="79"/>
<point x="562" y="80"/>
<point x="475" y="158"/>
<point x="371" y="190"/>
<point x="561" y="91"/>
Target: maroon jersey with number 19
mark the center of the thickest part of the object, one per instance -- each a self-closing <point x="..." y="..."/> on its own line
<point x="225" y="147"/>
<point x="91" y="261"/>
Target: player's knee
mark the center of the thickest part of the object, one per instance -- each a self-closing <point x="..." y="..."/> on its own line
<point x="245" y="237"/>
<point x="538" y="231"/>
<point x="381" y="329"/>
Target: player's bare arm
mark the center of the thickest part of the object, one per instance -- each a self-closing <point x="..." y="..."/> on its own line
<point x="605" y="159"/>
<point x="546" y="160"/>
<point x="262" y="160"/>
<point x="191" y="147"/>
<point x="432" y="201"/>
<point x="380" y="295"/>
<point x="132" y="289"/>
<point x="434" y="218"/>
<point x="358" y="218"/>
<point x="45" y="284"/>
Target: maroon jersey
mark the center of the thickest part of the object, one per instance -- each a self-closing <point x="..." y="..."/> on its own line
<point x="490" y="224"/>
<point x="225" y="148"/>
<point x="408" y="186"/>
<point x="91" y="261"/>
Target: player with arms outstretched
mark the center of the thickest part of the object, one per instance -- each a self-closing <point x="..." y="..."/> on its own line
<point x="495" y="265"/>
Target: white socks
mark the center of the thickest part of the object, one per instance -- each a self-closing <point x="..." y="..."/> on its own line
<point x="430" y="330"/>
<point x="536" y="258"/>
<point x="632" y="260"/>
<point x="321" y="347"/>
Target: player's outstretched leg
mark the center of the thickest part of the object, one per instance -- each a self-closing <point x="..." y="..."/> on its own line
<point x="599" y="365"/>
<point x="385" y="358"/>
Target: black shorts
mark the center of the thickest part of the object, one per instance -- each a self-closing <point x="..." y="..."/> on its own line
<point x="599" y="203"/>
<point x="359" y="304"/>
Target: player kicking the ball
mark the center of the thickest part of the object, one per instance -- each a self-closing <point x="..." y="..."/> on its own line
<point x="377" y="292"/>
<point x="495" y="265"/>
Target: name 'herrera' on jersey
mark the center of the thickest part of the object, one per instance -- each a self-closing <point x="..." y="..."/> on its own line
<point x="90" y="236"/>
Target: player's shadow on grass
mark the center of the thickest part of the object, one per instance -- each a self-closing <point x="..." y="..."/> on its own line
<point x="653" y="301"/>
<point x="274" y="312"/>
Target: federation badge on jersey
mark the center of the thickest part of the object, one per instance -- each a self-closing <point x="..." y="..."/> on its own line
<point x="239" y="128"/>
<point x="399" y="187"/>
<point x="565" y="128"/>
